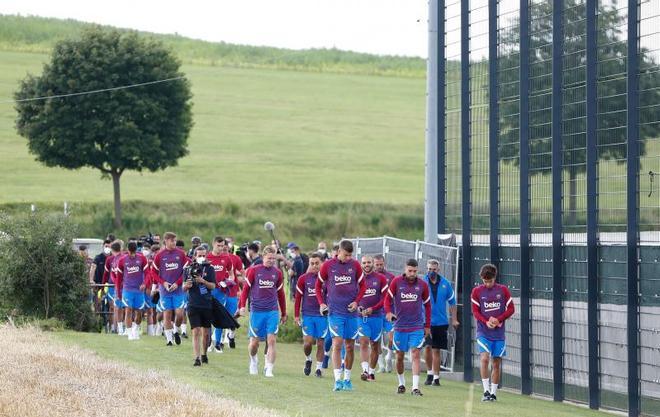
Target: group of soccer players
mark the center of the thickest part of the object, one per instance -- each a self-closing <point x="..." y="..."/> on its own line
<point x="337" y="301"/>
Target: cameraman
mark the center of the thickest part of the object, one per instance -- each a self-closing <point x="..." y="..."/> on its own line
<point x="199" y="281"/>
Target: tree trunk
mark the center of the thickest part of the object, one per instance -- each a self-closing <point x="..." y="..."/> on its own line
<point x="116" y="174"/>
<point x="572" y="196"/>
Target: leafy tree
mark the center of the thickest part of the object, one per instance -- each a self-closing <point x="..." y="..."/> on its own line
<point x="41" y="275"/>
<point x="611" y="88"/>
<point x="139" y="128"/>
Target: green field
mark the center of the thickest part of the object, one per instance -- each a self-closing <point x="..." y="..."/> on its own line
<point x="259" y="135"/>
<point x="293" y="394"/>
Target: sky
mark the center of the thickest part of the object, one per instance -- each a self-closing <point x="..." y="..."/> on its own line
<point x="387" y="27"/>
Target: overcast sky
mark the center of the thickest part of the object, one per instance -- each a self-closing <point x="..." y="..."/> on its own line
<point x="394" y="27"/>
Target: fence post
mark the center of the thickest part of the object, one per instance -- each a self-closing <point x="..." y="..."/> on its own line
<point x="493" y="120"/>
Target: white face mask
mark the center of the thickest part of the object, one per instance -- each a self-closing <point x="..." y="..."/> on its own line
<point x="321" y="251"/>
<point x="200" y="259"/>
<point x="291" y="254"/>
<point x="107" y="250"/>
<point x="146" y="252"/>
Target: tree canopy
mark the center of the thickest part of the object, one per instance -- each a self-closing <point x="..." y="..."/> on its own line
<point x="137" y="128"/>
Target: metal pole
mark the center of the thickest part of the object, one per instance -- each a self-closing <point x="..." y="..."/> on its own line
<point x="592" y="209"/>
<point x="442" y="140"/>
<point x="465" y="184"/>
<point x="431" y="195"/>
<point x="493" y="120"/>
<point x="525" y="373"/>
<point x="557" y="258"/>
<point x="632" y="235"/>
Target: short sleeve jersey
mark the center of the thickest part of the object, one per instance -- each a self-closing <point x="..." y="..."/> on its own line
<point x="170" y="263"/>
<point x="306" y="287"/>
<point x="492" y="302"/>
<point x="133" y="269"/>
<point x="342" y="282"/>
<point x="264" y="284"/>
<point x="408" y="301"/>
<point x="376" y="285"/>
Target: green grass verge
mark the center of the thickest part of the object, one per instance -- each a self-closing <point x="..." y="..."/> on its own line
<point x="291" y="393"/>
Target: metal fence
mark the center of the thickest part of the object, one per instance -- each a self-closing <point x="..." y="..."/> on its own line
<point x="549" y="162"/>
<point x="397" y="252"/>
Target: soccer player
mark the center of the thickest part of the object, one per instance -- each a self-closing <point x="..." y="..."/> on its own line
<point x="108" y="277"/>
<point x="442" y="294"/>
<point x="222" y="264"/>
<point x="169" y="264"/>
<point x="491" y="306"/>
<point x="132" y="268"/>
<point x="385" y="359"/>
<point x="344" y="283"/>
<point x="314" y="325"/>
<point x="231" y="301"/>
<point x="150" y="289"/>
<point x="407" y="304"/>
<point x="200" y="308"/>
<point x="265" y="289"/>
<point x="370" y="328"/>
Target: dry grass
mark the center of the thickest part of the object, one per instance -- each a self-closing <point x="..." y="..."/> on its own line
<point x="47" y="379"/>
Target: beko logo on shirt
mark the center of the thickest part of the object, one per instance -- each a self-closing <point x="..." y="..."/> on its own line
<point x="342" y="279"/>
<point x="133" y="269"/>
<point x="169" y="266"/>
<point x="264" y="283"/>
<point x="408" y="297"/>
<point x="370" y="292"/>
<point x="495" y="305"/>
<point x="311" y="291"/>
<point x="218" y="268"/>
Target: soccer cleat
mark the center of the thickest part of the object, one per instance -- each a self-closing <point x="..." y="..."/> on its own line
<point x="348" y="385"/>
<point x="232" y="343"/>
<point x="184" y="335"/>
<point x="326" y="360"/>
<point x="486" y="397"/>
<point x="308" y="368"/>
<point x="197" y="362"/>
<point x="493" y="397"/>
<point x="318" y="373"/>
<point x="372" y="378"/>
<point x="205" y="359"/>
<point x="210" y="349"/>
<point x="416" y="392"/>
<point x="177" y="338"/>
<point x="429" y="380"/>
<point x="253" y="368"/>
<point x="218" y="348"/>
<point x="169" y="343"/>
<point x="401" y="389"/>
<point x="364" y="376"/>
<point x="339" y="385"/>
<point x="436" y="383"/>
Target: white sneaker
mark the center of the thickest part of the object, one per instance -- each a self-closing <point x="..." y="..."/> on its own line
<point x="254" y="370"/>
<point x="268" y="372"/>
<point x="210" y="348"/>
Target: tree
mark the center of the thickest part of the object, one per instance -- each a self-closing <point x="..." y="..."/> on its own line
<point x="140" y="128"/>
<point x="611" y="89"/>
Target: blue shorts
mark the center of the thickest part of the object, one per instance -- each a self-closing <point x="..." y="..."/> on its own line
<point x="115" y="301"/>
<point x="495" y="348"/>
<point x="219" y="295"/>
<point x="263" y="323"/>
<point x="314" y="326"/>
<point x="387" y="325"/>
<point x="172" y="302"/>
<point x="231" y="304"/>
<point x="342" y="326"/>
<point x="371" y="327"/>
<point x="147" y="302"/>
<point x="133" y="299"/>
<point x="404" y="341"/>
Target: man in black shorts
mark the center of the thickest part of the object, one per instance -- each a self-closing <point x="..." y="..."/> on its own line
<point x="442" y="294"/>
<point x="199" y="282"/>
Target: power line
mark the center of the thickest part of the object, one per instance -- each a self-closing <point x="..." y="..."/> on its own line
<point x="102" y="90"/>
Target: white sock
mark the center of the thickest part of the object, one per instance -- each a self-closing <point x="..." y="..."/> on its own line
<point x="372" y="371"/>
<point x="347" y="374"/>
<point x="337" y="374"/>
<point x="151" y="329"/>
<point x="184" y="327"/>
<point x="254" y="359"/>
<point x="120" y="328"/>
<point x="230" y="334"/>
<point x="268" y="366"/>
<point x="175" y="328"/>
<point x="402" y="379"/>
<point x="365" y="366"/>
<point x="308" y="357"/>
<point x="436" y="376"/>
<point x="429" y="372"/>
<point x="493" y="388"/>
<point x="169" y="334"/>
<point x="415" y="382"/>
<point x="319" y="365"/>
<point x="486" y="383"/>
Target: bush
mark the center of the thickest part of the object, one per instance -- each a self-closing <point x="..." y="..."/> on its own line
<point x="41" y="276"/>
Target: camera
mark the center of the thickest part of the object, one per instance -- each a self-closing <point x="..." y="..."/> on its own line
<point x="194" y="270"/>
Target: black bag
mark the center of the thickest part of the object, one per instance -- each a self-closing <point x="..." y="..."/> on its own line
<point x="221" y="317"/>
<point x="305" y="260"/>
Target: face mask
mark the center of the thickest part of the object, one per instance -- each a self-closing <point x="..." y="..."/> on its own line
<point x="200" y="259"/>
<point x="290" y="252"/>
<point x="321" y="251"/>
<point x="433" y="274"/>
<point x="146" y="252"/>
<point x="107" y="250"/>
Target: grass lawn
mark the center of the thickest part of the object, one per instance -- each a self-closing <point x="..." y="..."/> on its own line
<point x="291" y="393"/>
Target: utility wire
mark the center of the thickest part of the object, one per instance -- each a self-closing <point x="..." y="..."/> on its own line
<point x="103" y="90"/>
